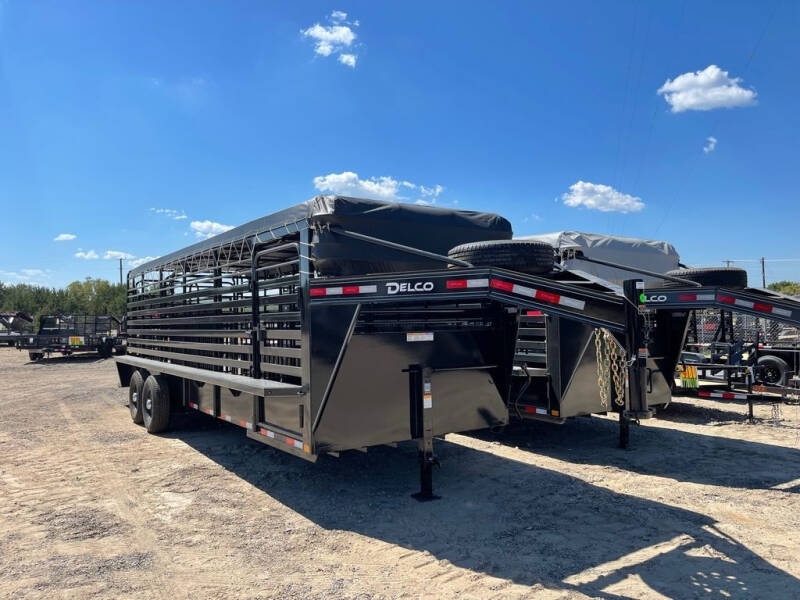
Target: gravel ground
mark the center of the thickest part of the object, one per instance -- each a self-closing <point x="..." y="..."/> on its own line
<point x="704" y="505"/>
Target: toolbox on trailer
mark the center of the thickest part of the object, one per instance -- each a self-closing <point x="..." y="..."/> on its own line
<point x="317" y="336"/>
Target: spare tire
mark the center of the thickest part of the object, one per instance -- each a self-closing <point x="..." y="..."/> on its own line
<point x="518" y="255"/>
<point x="732" y="277"/>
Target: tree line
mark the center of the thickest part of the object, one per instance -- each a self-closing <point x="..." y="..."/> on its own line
<point x="88" y="297"/>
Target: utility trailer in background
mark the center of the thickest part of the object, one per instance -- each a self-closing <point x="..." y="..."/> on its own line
<point x="69" y="334"/>
<point x="336" y="325"/>
<point x="13" y="325"/>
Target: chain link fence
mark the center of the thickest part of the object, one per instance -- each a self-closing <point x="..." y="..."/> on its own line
<point x="745" y="327"/>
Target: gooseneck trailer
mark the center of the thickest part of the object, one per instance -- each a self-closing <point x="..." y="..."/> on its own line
<point x="342" y="323"/>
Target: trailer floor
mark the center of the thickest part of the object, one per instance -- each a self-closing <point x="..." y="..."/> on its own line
<point x="703" y="506"/>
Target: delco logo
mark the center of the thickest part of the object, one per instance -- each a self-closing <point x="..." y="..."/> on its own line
<point x="655" y="298"/>
<point x="394" y="287"/>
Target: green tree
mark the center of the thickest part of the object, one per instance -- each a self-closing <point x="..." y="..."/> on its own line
<point x="790" y="288"/>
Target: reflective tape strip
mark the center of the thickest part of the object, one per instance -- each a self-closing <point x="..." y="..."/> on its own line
<point x="226" y="417"/>
<point x="346" y="290"/>
<point x="456" y="284"/>
<point x="193" y="405"/>
<point x="725" y="395"/>
<point x="695" y="297"/>
<point x="535" y="410"/>
<point x="765" y="308"/>
<point x="521" y="290"/>
<point x="209" y="411"/>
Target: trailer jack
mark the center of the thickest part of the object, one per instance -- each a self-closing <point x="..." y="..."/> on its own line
<point x="421" y="398"/>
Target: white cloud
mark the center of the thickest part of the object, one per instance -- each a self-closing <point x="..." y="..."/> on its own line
<point x="116" y="255"/>
<point x="348" y="59"/>
<point x="706" y="90"/>
<point x="140" y="261"/>
<point x="334" y="38"/>
<point x="88" y="255"/>
<point x="604" y="198"/>
<point x="348" y="183"/>
<point x="207" y="229"/>
<point x="24" y="275"/>
<point x="64" y="237"/>
<point x="169" y="212"/>
<point x="711" y="143"/>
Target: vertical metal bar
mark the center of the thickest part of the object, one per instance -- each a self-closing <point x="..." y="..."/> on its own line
<point x="255" y="341"/>
<point x="303" y="281"/>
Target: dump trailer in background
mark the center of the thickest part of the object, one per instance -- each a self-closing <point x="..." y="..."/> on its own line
<point x="13" y="325"/>
<point x="337" y="325"/>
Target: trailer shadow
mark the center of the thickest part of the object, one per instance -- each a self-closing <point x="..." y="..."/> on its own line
<point x="504" y="518"/>
<point x="675" y="454"/>
<point x="72" y="358"/>
<point x="691" y="412"/>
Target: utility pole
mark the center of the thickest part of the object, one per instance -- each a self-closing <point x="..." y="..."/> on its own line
<point x="120" y="271"/>
<point x="727" y="262"/>
<point x="763" y="274"/>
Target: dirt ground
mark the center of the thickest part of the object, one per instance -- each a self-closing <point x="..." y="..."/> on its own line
<point x="703" y="505"/>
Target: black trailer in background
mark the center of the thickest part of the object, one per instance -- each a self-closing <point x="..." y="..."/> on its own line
<point x="750" y="380"/>
<point x="13" y="325"/>
<point x="274" y="327"/>
<point x="69" y="334"/>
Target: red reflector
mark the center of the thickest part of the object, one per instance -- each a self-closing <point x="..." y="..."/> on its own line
<point x="547" y="297"/>
<point x="320" y="291"/>
<point x="502" y="285"/>
<point x="704" y="394"/>
<point x="534" y="313"/>
<point x="728" y="395"/>
<point x="726" y="299"/>
<point x="687" y="297"/>
<point x="530" y="409"/>
<point x="762" y="307"/>
<point x="350" y="289"/>
<point x="455" y="284"/>
<point x="290" y="441"/>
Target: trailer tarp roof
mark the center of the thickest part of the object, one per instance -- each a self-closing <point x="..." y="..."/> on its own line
<point x="652" y="255"/>
<point x="426" y="227"/>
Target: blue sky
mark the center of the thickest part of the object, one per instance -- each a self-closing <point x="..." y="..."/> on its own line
<point x="138" y="127"/>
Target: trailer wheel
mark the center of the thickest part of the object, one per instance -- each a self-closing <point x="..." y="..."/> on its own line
<point x="34" y="356"/>
<point x="135" y="390"/>
<point x="155" y="404"/>
<point x="773" y="370"/>
<point x="518" y="255"/>
<point x="732" y="277"/>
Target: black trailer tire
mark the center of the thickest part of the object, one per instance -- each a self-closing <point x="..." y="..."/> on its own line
<point x="518" y="255"/>
<point x="731" y="277"/>
<point x="34" y="356"/>
<point x="135" y="390"/>
<point x="104" y="351"/>
<point x="155" y="404"/>
<point x="773" y="370"/>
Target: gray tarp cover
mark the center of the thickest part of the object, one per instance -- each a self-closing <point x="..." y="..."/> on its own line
<point x="424" y="227"/>
<point x="651" y="255"/>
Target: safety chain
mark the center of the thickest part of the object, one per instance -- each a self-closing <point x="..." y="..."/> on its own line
<point x="611" y="364"/>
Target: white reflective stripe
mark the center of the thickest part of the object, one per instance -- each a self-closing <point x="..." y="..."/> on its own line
<point x="476" y="283"/>
<point x="523" y="291"/>
<point x="298" y="444"/>
<point x="270" y="433"/>
<point x="705" y="296"/>
<point x="228" y="418"/>
<point x="333" y="291"/>
<point x="367" y="289"/>
<point x="541" y="411"/>
<point x="781" y="311"/>
<point x="274" y="292"/>
<point x="745" y="303"/>
<point x="248" y="424"/>
<point x="572" y="303"/>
